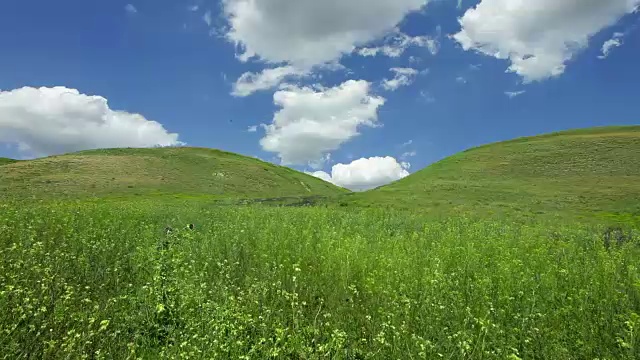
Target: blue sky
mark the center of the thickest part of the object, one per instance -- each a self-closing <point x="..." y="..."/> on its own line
<point x="173" y="64"/>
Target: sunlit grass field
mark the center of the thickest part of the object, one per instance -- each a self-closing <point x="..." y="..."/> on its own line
<point x="158" y="172"/>
<point x="81" y="280"/>
<point x="580" y="172"/>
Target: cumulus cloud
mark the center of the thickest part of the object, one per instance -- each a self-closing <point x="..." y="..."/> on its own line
<point x="403" y="77"/>
<point x="398" y="43"/>
<point x="253" y="128"/>
<point x="321" y="175"/>
<point x="365" y="173"/>
<point x="610" y="44"/>
<point x="129" y="8"/>
<point x="315" y="121"/>
<point x="538" y="37"/>
<point x="249" y="82"/>
<point x="45" y="121"/>
<point x="309" y="32"/>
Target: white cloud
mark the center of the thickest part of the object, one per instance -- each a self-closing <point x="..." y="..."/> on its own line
<point x="193" y="8"/>
<point x="321" y="175"/>
<point x="248" y="83"/>
<point x="405" y="71"/>
<point x="461" y="80"/>
<point x="365" y="173"/>
<point x="253" y="128"/>
<point x="610" y="44"/>
<point x="310" y="32"/>
<point x="398" y="43"/>
<point x="407" y="143"/>
<point x="129" y="8"/>
<point x="408" y="154"/>
<point x="403" y="77"/>
<point x="538" y="37"/>
<point x="44" y="121"/>
<point x="207" y="18"/>
<point x="512" y="94"/>
<point x="316" y="121"/>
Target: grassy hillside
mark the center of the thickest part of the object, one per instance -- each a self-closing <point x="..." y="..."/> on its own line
<point x="578" y="171"/>
<point x="5" y="161"/>
<point x="81" y="279"/>
<point x="124" y="173"/>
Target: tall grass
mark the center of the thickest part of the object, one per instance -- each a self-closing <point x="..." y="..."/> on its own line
<point x="96" y="281"/>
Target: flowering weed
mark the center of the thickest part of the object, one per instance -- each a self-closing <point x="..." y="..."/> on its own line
<point x="90" y="281"/>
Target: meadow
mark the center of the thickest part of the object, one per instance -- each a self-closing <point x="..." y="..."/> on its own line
<point x="97" y="281"/>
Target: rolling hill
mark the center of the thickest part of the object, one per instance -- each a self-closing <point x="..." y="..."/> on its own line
<point x="578" y="171"/>
<point x="5" y="161"/>
<point x="585" y="171"/>
<point x="124" y="173"/>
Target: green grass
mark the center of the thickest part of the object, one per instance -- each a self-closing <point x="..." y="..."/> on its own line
<point x="93" y="281"/>
<point x="583" y="173"/>
<point x="579" y="172"/>
<point x="5" y="161"/>
<point x="160" y="172"/>
<point x="499" y="252"/>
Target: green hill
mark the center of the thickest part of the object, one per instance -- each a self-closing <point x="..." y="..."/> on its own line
<point x="123" y="173"/>
<point x="5" y="161"/>
<point x="577" y="171"/>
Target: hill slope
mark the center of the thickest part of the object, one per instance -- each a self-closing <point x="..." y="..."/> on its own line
<point x="587" y="170"/>
<point x="155" y="172"/>
<point x="5" y="161"/>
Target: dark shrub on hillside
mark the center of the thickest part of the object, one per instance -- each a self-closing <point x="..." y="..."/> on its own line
<point x="615" y="236"/>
